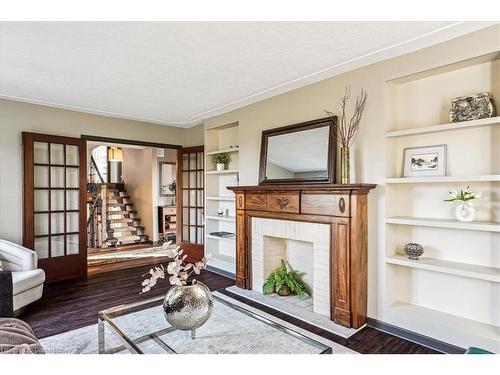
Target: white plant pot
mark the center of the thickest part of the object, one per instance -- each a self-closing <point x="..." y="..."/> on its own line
<point x="220" y="167"/>
<point x="465" y="212"/>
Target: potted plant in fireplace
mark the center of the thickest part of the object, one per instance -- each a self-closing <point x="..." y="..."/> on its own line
<point x="221" y="161"/>
<point x="285" y="281"/>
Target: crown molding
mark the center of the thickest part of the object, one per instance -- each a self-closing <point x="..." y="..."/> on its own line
<point x="187" y="124"/>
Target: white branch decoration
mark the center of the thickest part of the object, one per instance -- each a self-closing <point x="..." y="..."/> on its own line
<point x="347" y="130"/>
<point x="178" y="270"/>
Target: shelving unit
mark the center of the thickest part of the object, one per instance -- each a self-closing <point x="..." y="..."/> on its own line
<point x="444" y="266"/>
<point x="227" y="199"/>
<point x="221" y="218"/>
<point x="225" y="239"/>
<point x="221" y="140"/>
<point x="423" y="180"/>
<point x="223" y="151"/>
<point x="445" y="223"/>
<point x="445" y="127"/>
<point x="452" y="293"/>
<point x="227" y="171"/>
<point x="451" y="328"/>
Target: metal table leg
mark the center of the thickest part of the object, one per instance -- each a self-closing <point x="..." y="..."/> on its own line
<point x="100" y="336"/>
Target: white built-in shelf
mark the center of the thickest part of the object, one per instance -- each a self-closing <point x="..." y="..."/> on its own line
<point x="223" y="239"/>
<point x="223" y="151"/>
<point x="486" y="226"/>
<point x="222" y="262"/>
<point x="417" y="180"/>
<point x="221" y="218"/>
<point x="228" y="199"/>
<point x="445" y="127"/>
<point x="453" y="268"/>
<point x="446" y="327"/>
<point x="227" y="171"/>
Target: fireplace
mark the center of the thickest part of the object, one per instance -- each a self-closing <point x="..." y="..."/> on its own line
<point x="306" y="248"/>
<point x="322" y="228"/>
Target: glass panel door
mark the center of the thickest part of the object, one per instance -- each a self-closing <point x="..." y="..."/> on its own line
<point x="54" y="191"/>
<point x="191" y="201"/>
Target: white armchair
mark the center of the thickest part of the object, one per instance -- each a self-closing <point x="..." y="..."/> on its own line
<point x="27" y="279"/>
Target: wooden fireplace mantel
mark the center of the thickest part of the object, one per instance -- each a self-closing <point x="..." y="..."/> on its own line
<point x="343" y="207"/>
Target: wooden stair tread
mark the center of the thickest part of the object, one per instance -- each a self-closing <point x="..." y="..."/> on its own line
<point x="124" y="219"/>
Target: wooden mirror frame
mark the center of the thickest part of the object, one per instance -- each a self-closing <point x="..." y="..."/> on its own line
<point x="308" y="125"/>
<point x="160" y="177"/>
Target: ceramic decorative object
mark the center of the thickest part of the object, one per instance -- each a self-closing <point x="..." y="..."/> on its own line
<point x="465" y="211"/>
<point x="413" y="250"/>
<point x="220" y="167"/>
<point x="474" y="107"/>
<point x="188" y="307"/>
<point x="220" y="212"/>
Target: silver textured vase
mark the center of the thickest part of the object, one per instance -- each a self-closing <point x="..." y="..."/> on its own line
<point x="188" y="307"/>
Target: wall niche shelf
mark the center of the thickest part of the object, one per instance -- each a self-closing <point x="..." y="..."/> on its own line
<point x="221" y="218"/>
<point x="444" y="266"/>
<point x="227" y="199"/>
<point x="454" y="297"/>
<point x="418" y="180"/>
<point x="217" y="196"/>
<point x="462" y="332"/>
<point x="225" y="239"/>
<point x="226" y="150"/>
<point x="227" y="171"/>
<point x="486" y="226"/>
<point x="445" y="127"/>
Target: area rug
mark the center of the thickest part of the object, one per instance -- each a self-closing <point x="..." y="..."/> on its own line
<point x="125" y="255"/>
<point x="227" y="331"/>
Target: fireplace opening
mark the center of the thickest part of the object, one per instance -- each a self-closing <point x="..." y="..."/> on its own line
<point x="298" y="256"/>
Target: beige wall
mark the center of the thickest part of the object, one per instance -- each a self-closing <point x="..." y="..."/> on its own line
<point x="308" y="103"/>
<point x="138" y="169"/>
<point x="16" y="117"/>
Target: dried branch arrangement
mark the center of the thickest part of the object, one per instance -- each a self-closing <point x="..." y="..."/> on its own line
<point x="347" y="130"/>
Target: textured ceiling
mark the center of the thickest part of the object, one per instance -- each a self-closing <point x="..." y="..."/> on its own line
<point x="179" y="73"/>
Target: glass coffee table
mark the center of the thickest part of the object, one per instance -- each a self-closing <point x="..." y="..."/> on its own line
<point x="233" y="327"/>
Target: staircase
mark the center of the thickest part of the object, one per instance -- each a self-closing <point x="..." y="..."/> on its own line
<point x="123" y="225"/>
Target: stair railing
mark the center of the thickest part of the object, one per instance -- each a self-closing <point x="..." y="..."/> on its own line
<point x="93" y="166"/>
<point x="93" y="222"/>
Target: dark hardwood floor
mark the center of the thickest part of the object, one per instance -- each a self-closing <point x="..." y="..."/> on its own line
<point x="73" y="304"/>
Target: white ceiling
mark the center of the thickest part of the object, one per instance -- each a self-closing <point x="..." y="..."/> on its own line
<point x="177" y="73"/>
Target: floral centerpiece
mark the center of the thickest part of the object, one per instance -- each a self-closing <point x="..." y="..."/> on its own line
<point x="189" y="303"/>
<point x="465" y="211"/>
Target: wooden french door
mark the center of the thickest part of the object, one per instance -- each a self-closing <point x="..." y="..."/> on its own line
<point x="190" y="198"/>
<point x="54" y="219"/>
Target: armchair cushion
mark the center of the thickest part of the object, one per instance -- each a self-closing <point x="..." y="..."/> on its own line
<point x="25" y="280"/>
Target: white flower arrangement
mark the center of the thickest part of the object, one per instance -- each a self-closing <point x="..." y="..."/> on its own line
<point x="465" y="196"/>
<point x="178" y="270"/>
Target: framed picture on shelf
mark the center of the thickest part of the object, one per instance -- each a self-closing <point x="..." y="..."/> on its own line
<point x="424" y="161"/>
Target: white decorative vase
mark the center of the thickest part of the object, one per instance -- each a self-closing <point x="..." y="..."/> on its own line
<point x="465" y="212"/>
<point x="220" y="167"/>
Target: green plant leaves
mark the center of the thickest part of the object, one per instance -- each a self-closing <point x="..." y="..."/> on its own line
<point x="283" y="277"/>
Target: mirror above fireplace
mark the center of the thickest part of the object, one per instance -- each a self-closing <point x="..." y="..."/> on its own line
<point x="299" y="153"/>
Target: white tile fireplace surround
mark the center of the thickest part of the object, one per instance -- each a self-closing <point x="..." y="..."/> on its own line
<point x="304" y="245"/>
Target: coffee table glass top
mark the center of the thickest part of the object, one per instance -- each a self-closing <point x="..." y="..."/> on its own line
<point x="232" y="328"/>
